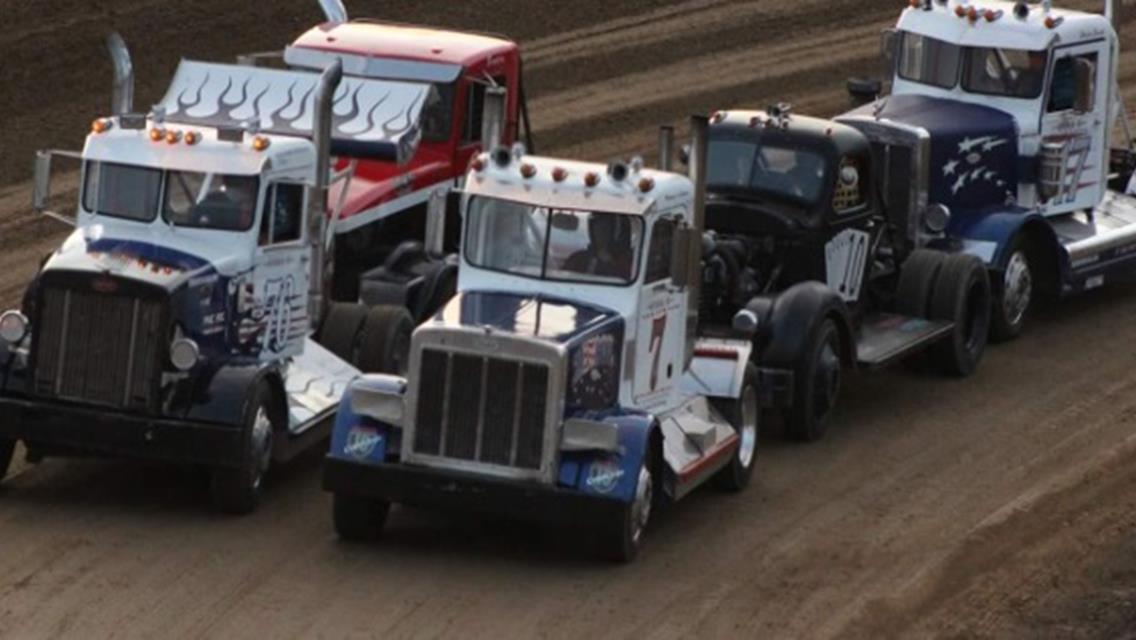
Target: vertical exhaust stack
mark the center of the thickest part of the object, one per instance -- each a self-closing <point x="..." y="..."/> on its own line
<point x="122" y="98"/>
<point x="666" y="148"/>
<point x="321" y="272"/>
<point x="699" y="134"/>
<point x="334" y="10"/>
<point x="493" y="118"/>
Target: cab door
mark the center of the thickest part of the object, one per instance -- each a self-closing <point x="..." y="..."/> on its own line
<point x="282" y="266"/>
<point x="1078" y="126"/>
<point x="660" y="343"/>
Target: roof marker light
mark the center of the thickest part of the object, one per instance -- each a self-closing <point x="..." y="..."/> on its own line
<point x="754" y="122"/>
<point x="173" y="136"/>
<point x="991" y="15"/>
<point x="528" y="170"/>
<point x="192" y="138"/>
<point x="646" y="185"/>
<point x="477" y="164"/>
<point x="260" y="143"/>
<point x="157" y="135"/>
<point x="102" y="125"/>
<point x="972" y="14"/>
<point x="1052" y="22"/>
<point x="591" y="179"/>
<point x="717" y="117"/>
<point x="559" y="174"/>
<point x="960" y="11"/>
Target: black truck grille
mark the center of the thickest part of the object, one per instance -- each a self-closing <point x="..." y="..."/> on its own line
<point x="98" y="348"/>
<point x="478" y="409"/>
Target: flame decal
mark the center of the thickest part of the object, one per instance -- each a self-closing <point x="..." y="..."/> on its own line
<point x="394" y="132"/>
<point x="271" y="117"/>
<point x="183" y="106"/>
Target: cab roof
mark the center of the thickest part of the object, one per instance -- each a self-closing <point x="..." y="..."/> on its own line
<point x="558" y="183"/>
<point x="1035" y="32"/>
<point x="406" y="42"/>
<point x="761" y="125"/>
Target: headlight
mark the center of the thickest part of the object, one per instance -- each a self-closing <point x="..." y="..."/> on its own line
<point x="184" y="354"/>
<point x="13" y="326"/>
<point x="936" y="217"/>
<point x="379" y="396"/>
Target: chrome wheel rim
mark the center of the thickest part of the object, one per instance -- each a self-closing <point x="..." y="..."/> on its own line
<point x="1017" y="288"/>
<point x="748" y="445"/>
<point x="261" y="445"/>
<point x="641" y="508"/>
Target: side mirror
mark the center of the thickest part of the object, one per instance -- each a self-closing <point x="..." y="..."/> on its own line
<point x="41" y="188"/>
<point x="889" y="48"/>
<point x="684" y="155"/>
<point x="864" y="90"/>
<point x="435" y="238"/>
<point x="453" y="221"/>
<point x="1085" y="77"/>
<point x="685" y="256"/>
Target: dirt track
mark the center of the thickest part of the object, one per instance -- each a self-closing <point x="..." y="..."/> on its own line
<point x="998" y="506"/>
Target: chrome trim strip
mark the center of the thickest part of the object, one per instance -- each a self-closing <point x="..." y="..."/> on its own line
<point x="129" y="381"/>
<point x="63" y="342"/>
<point x="481" y="409"/>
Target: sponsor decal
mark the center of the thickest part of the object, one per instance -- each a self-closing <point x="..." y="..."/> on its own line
<point x="604" y="475"/>
<point x="361" y="442"/>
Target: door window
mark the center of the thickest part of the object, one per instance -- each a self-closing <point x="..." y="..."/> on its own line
<point x="659" y="254"/>
<point x="1063" y="92"/>
<point x="475" y="110"/>
<point x="283" y="214"/>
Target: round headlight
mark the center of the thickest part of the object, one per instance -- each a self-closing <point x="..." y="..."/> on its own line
<point x="746" y="322"/>
<point x="184" y="354"/>
<point x="13" y="326"/>
<point x="936" y="217"/>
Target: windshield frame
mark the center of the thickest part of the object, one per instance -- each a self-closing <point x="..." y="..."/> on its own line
<point x="751" y="191"/>
<point x="468" y="244"/>
<point x="969" y="55"/>
<point x="86" y="194"/>
<point x="944" y="45"/>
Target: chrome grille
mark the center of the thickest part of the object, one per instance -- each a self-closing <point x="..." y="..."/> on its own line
<point x="98" y="348"/>
<point x="480" y="409"/>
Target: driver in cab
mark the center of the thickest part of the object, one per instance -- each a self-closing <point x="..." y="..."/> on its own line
<point x="609" y="251"/>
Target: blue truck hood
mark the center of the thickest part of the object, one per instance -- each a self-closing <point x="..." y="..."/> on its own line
<point x="974" y="149"/>
<point x="551" y="319"/>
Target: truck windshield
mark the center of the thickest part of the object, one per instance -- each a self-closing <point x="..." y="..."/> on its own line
<point x="779" y="173"/>
<point x="553" y="244"/>
<point x="121" y="191"/>
<point x="210" y="200"/>
<point x="1004" y="72"/>
<point x="929" y="61"/>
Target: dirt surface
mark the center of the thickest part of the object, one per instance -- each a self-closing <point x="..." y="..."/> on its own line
<point x="997" y="506"/>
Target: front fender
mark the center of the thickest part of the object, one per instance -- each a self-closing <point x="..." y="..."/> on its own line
<point x="793" y="317"/>
<point x="611" y="475"/>
<point x="988" y="235"/>
<point x="221" y="398"/>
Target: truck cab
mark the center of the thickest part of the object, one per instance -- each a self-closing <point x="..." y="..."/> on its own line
<point x="386" y="203"/>
<point x="184" y="317"/>
<point x="567" y="378"/>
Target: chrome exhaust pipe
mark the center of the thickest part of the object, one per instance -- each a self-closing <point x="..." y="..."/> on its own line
<point x="122" y="98"/>
<point x="321" y="264"/>
<point x="666" y="148"/>
<point x="493" y="118"/>
<point x="699" y="137"/>
<point x="334" y="10"/>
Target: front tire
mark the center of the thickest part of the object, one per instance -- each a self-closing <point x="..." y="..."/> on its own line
<point x="819" y="377"/>
<point x="384" y="340"/>
<point x="359" y="519"/>
<point x="744" y="414"/>
<point x="962" y="296"/>
<point x="621" y="534"/>
<point x="1013" y="294"/>
<point x="238" y="491"/>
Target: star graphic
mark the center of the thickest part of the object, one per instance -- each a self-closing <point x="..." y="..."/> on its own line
<point x="959" y="184"/>
<point x="994" y="143"/>
<point x="970" y="144"/>
<point x="949" y="168"/>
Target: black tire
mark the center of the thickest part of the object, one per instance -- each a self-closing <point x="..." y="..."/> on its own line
<point x="7" y="450"/>
<point x="621" y="533"/>
<point x="1014" y="290"/>
<point x="359" y="519"/>
<point x="384" y="341"/>
<point x="744" y="414"/>
<point x="962" y="296"/>
<point x="340" y="330"/>
<point x="238" y="490"/>
<point x="816" y="388"/>
<point x="917" y="282"/>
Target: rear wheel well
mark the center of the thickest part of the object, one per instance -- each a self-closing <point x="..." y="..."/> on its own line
<point x="847" y="342"/>
<point x="275" y="383"/>
<point x="1041" y="251"/>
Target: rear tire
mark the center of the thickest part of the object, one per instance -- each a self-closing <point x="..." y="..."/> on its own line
<point x="1013" y="294"/>
<point x="384" y="340"/>
<point x="339" y="332"/>
<point x="359" y="519"/>
<point x="962" y="296"/>
<point x="819" y="376"/>
<point x="744" y="414"/>
<point x="621" y="533"/>
<point x="7" y="450"/>
<point x="238" y="491"/>
<point x="917" y="282"/>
